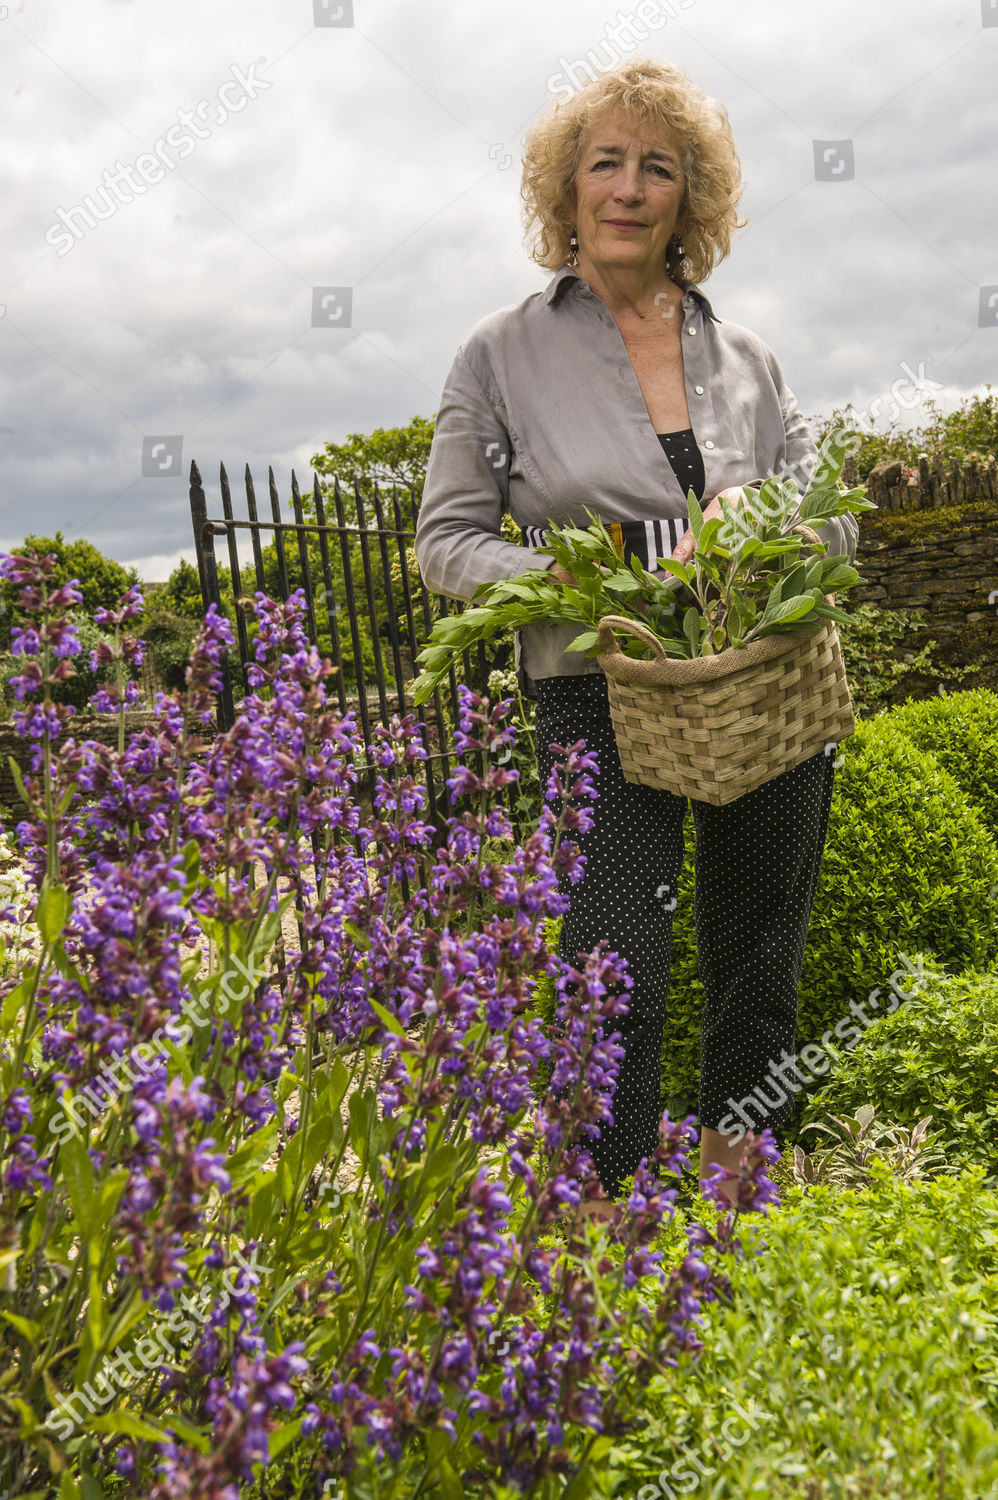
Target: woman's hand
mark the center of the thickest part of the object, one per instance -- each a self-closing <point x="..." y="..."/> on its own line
<point x="684" y="551"/>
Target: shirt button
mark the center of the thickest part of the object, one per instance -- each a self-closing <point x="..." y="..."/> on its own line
<point x="708" y="444"/>
<point x="691" y="332"/>
<point x="698" y="389"/>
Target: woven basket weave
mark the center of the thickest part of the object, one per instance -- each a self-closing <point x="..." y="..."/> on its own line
<point x="715" y="727"/>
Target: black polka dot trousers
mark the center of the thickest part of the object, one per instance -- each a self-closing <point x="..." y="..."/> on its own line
<point x="757" y="862"/>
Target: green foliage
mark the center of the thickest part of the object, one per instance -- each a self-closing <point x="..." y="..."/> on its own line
<point x="181" y="594"/>
<point x="858" y="1359"/>
<point x="101" y="581"/>
<point x="934" y="1054"/>
<point x="868" y="637"/>
<point x="168" y="640"/>
<point x="908" y="867"/>
<point x="77" y="689"/>
<point x="971" y="429"/>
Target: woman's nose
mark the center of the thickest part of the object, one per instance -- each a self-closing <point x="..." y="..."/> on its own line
<point x="629" y="182"/>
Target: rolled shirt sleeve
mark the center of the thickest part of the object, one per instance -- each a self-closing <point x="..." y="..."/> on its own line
<point x="458" y="541"/>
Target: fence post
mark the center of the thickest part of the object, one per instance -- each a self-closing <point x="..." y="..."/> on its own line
<point x="204" y="547"/>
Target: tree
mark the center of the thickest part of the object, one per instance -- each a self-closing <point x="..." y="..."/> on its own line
<point x="101" y="580"/>
<point x="182" y="592"/>
<point x="386" y="456"/>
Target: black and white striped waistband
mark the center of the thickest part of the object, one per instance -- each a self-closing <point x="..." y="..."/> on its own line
<point x="648" y="539"/>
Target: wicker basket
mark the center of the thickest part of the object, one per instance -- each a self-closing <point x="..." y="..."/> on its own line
<point x="715" y="727"/>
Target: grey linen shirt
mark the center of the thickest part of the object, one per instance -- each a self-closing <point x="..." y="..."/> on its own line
<point x="542" y="415"/>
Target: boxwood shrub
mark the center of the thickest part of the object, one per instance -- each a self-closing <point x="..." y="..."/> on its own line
<point x="961" y="731"/>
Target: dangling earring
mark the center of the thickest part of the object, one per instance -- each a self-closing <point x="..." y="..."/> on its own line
<point x="679" y="253"/>
<point x="573" y="245"/>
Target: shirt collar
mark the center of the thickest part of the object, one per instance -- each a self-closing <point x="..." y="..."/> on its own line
<point x="566" y="273"/>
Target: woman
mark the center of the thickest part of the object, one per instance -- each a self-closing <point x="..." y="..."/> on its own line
<point x="617" y="387"/>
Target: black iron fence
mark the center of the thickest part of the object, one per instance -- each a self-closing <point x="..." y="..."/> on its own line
<point x="366" y="606"/>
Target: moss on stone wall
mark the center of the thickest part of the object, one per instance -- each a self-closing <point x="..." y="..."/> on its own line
<point x="904" y="527"/>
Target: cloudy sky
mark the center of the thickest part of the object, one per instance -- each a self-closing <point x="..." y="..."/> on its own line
<point x="260" y="149"/>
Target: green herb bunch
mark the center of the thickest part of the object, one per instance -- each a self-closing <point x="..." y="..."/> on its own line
<point x="746" y="578"/>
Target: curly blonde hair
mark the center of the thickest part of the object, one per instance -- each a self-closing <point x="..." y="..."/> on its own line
<point x="660" y="96"/>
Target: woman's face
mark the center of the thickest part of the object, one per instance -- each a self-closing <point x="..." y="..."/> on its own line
<point x="629" y="193"/>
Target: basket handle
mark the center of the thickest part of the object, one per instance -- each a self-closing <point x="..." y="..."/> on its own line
<point x="611" y="623"/>
<point x="807" y="532"/>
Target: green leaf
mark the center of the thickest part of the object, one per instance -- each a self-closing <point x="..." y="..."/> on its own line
<point x="281" y="1437"/>
<point x="95" y="1296"/>
<point x="128" y="1423"/>
<point x="29" y="1421"/>
<point x="708" y="534"/>
<point x="78" y="1171"/>
<point x="386" y="1018"/>
<point x="788" y="609"/>
<point x="843" y="575"/>
<point x="441" y="1166"/>
<point x="818" y="505"/>
<point x="13" y="1002"/>
<point x="832" y="612"/>
<point x="438" y="1449"/>
<point x="252" y="1154"/>
<point x="190" y="1433"/>
<point x="27" y="1326"/>
<point x="15" y="771"/>
<point x="696" y="516"/>
<point x="584" y="642"/>
<point x="53" y="909"/>
<point x="671" y="565"/>
<point x="360" y="938"/>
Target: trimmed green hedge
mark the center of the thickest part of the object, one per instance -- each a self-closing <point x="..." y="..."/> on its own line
<point x="910" y="866"/>
<point x="961" y="731"/>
